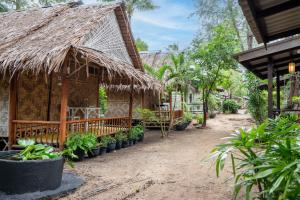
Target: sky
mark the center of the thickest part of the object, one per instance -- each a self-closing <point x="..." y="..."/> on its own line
<point x="170" y="23"/>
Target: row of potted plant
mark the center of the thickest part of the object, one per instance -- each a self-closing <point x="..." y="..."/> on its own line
<point x="88" y="143"/>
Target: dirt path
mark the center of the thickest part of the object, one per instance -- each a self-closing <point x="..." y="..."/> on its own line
<point x="158" y="169"/>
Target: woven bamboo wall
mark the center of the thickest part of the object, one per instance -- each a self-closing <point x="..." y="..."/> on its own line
<point x="83" y="92"/>
<point x="4" y="93"/>
<point x="32" y="97"/>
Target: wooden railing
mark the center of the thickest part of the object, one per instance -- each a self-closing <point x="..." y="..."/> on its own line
<point x="47" y="132"/>
<point x="99" y="126"/>
<point x="44" y="132"/>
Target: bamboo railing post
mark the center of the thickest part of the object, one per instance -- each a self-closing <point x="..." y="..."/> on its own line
<point x="63" y="112"/>
<point x="12" y="110"/>
<point x="130" y="105"/>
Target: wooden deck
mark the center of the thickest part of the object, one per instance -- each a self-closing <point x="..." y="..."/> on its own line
<point x="48" y="132"/>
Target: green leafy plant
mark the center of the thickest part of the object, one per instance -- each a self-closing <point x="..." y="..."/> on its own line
<point x="134" y="133"/>
<point x="120" y="136"/>
<point x="102" y="99"/>
<point x="34" y="151"/>
<point x="187" y="116"/>
<point x="266" y="158"/>
<point x="230" y="106"/>
<point x="83" y="141"/>
<point x="106" y="140"/>
<point x="199" y="119"/>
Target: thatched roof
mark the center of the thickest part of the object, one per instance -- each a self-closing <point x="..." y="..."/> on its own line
<point x="156" y="59"/>
<point x="41" y="40"/>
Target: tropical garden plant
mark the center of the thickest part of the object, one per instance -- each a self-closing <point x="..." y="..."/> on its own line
<point x="230" y="106"/>
<point x="265" y="159"/>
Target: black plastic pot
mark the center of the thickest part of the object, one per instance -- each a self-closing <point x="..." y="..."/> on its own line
<point x="19" y="177"/>
<point x="125" y="144"/>
<point x="102" y="150"/>
<point x="130" y="143"/>
<point x="141" y="138"/>
<point x="111" y="147"/>
<point x="94" y="152"/>
<point x="118" y="145"/>
<point x="80" y="155"/>
<point x="134" y="142"/>
<point x="180" y="127"/>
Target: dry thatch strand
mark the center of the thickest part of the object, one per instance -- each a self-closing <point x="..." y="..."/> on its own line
<point x="41" y="40"/>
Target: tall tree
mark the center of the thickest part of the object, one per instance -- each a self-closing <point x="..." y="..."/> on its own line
<point x="133" y="5"/>
<point x="212" y="12"/>
<point x="211" y="58"/>
<point x="141" y="45"/>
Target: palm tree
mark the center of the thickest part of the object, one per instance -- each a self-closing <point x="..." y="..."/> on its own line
<point x="132" y="5"/>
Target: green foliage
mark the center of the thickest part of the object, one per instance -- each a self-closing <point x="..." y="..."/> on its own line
<point x="102" y="99"/>
<point x="106" y="140"/>
<point x="266" y="157"/>
<point x="83" y="141"/>
<point x="256" y="103"/>
<point x="214" y="103"/>
<point x="132" y="5"/>
<point x="120" y="136"/>
<point x="141" y="45"/>
<point x="34" y="151"/>
<point x="188" y="116"/>
<point x="135" y="132"/>
<point x="230" y="106"/>
<point x="199" y="119"/>
<point x="147" y="115"/>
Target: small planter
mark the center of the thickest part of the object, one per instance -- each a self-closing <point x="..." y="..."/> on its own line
<point x="19" y="177"/>
<point x="141" y="138"/>
<point x="118" y="145"/>
<point x="130" y="143"/>
<point x="80" y="154"/>
<point x="125" y="144"/>
<point x="94" y="152"/>
<point x="180" y="127"/>
<point x="111" y="147"/>
<point x="134" y="142"/>
<point x="102" y="150"/>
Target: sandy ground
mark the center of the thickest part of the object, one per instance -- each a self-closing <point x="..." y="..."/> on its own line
<point x="170" y="169"/>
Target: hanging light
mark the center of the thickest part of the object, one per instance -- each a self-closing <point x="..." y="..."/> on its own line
<point x="292" y="67"/>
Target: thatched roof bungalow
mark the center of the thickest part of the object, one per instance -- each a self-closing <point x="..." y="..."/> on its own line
<point x="56" y="57"/>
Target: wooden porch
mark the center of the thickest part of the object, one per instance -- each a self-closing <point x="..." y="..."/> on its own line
<point x="48" y="132"/>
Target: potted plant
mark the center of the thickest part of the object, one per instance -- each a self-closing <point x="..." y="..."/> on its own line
<point x="76" y="144"/>
<point x="125" y="142"/>
<point x="120" y="137"/>
<point x="103" y="144"/>
<point x="180" y="125"/>
<point x="133" y="135"/>
<point x="17" y="168"/>
<point x="90" y="139"/>
<point x="111" y="146"/>
<point x="140" y="130"/>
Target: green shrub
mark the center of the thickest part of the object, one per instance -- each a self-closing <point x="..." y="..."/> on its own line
<point x="187" y="116"/>
<point x="230" y="106"/>
<point x="265" y="159"/>
<point x="83" y="141"/>
<point x="199" y="119"/>
<point x="106" y="140"/>
<point x="135" y="132"/>
<point x="120" y="136"/>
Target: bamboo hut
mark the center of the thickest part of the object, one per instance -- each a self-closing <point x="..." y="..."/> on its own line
<point x="52" y="61"/>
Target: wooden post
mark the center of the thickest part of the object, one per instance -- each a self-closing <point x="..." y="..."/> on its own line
<point x="278" y="91"/>
<point x="270" y="91"/>
<point x="12" y="110"/>
<point x="171" y="108"/>
<point x="130" y="104"/>
<point x="49" y="97"/>
<point x="63" y="111"/>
